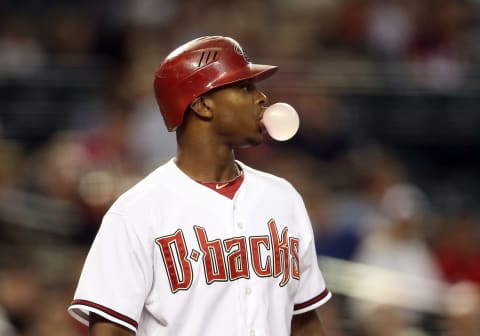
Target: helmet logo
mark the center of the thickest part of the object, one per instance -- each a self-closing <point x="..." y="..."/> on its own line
<point x="242" y="53"/>
<point x="207" y="57"/>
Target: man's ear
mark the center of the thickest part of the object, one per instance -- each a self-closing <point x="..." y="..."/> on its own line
<point x="202" y="107"/>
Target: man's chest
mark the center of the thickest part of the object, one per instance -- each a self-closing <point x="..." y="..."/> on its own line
<point x="211" y="252"/>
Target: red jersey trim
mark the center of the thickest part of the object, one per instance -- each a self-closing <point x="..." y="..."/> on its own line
<point x="106" y="310"/>
<point x="228" y="188"/>
<point x="312" y="301"/>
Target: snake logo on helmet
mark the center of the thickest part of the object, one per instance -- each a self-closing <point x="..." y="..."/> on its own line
<point x="197" y="67"/>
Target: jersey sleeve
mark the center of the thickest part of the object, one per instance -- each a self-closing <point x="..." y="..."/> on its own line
<point x="116" y="276"/>
<point x="312" y="291"/>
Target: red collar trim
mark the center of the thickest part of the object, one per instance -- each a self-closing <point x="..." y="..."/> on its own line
<point x="227" y="189"/>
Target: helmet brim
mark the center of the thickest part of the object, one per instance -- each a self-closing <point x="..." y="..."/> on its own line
<point x="255" y="72"/>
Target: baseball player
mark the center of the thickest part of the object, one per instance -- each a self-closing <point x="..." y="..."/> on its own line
<point x="205" y="245"/>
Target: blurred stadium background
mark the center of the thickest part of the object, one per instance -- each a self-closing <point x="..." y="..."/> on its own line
<point x="387" y="159"/>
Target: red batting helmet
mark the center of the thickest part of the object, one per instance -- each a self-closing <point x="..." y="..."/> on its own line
<point x="197" y="67"/>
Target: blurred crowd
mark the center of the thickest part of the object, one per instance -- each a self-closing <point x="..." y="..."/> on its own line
<point x="387" y="92"/>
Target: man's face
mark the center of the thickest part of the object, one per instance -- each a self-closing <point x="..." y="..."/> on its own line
<point x="237" y="113"/>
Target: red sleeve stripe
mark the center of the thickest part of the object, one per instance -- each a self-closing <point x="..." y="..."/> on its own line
<point x="312" y="301"/>
<point x="106" y="310"/>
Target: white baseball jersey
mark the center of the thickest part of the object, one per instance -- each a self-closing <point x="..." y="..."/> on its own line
<point x="173" y="257"/>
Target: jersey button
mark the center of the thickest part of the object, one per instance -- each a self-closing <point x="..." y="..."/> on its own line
<point x="248" y="291"/>
<point x="240" y="226"/>
<point x="252" y="332"/>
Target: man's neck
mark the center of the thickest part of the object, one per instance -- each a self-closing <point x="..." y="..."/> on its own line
<point x="207" y="165"/>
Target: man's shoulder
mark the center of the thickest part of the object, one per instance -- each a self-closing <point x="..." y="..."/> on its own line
<point x="260" y="176"/>
<point x="151" y="187"/>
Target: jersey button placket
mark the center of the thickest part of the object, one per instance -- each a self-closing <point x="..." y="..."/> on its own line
<point x="245" y="290"/>
<point x="237" y="223"/>
<point x="240" y="226"/>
